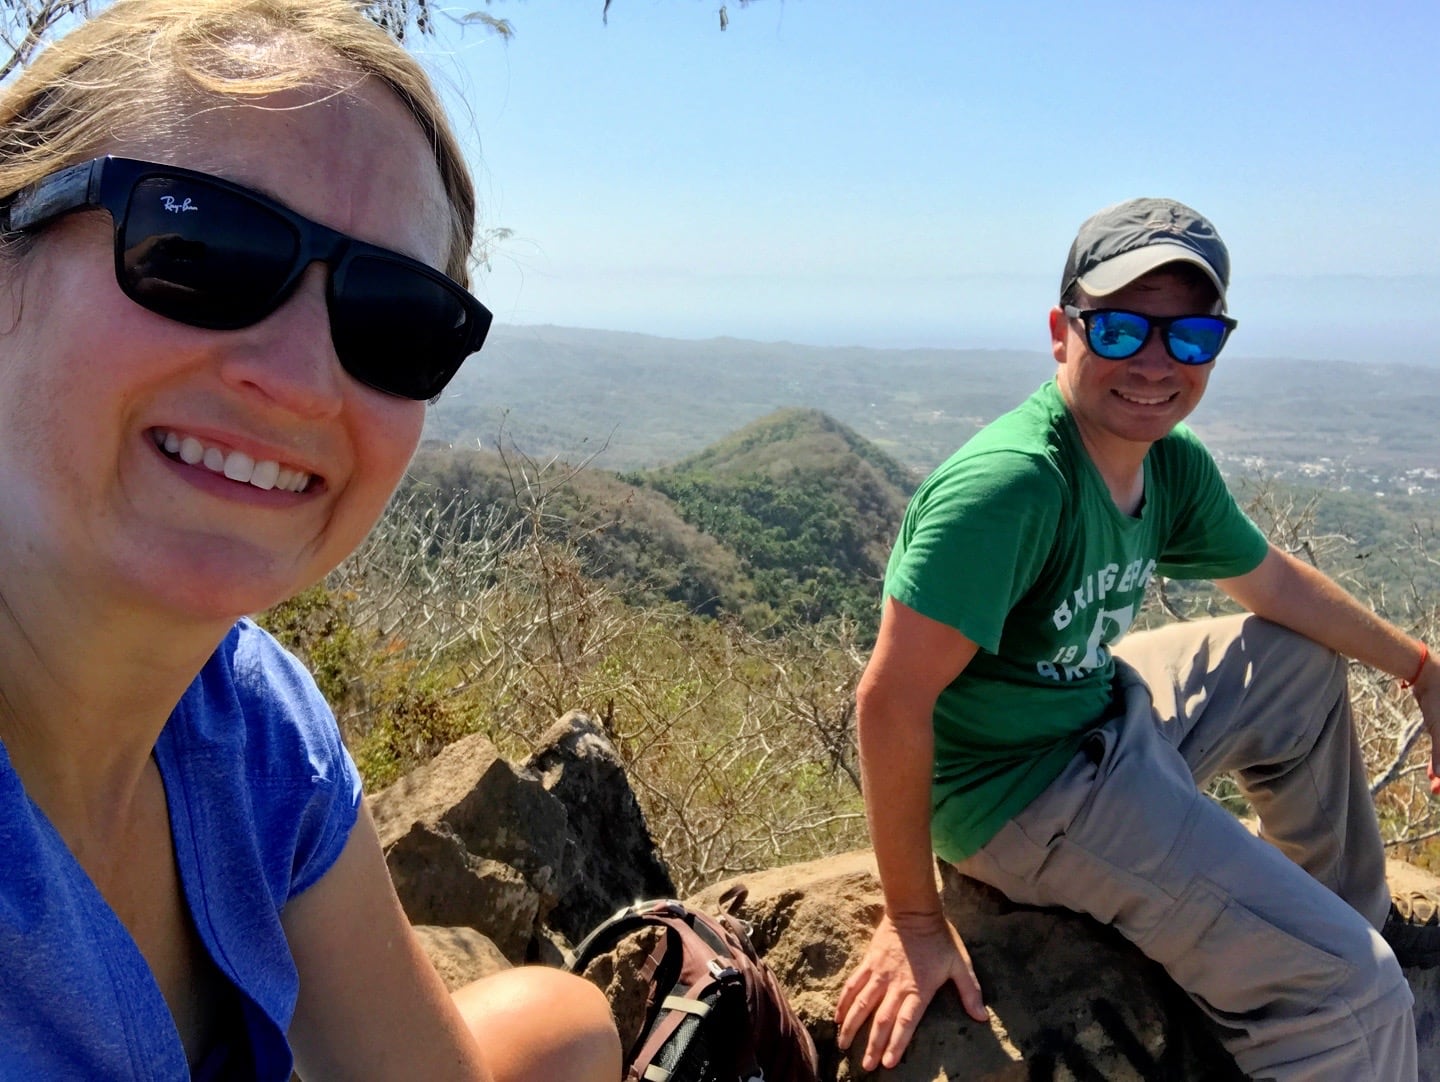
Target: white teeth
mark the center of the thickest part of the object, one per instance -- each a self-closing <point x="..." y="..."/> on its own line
<point x="291" y="480"/>
<point x="191" y="450"/>
<point x="236" y="465"/>
<point x="265" y="474"/>
<point x="1143" y="401"/>
<point x="239" y="466"/>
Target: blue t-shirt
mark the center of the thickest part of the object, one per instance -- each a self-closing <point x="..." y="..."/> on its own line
<point x="262" y="798"/>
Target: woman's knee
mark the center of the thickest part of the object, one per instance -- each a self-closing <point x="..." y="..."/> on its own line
<point x="539" y="1022"/>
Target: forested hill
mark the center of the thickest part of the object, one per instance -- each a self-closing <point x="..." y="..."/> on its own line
<point x="809" y="506"/>
<point x="787" y="521"/>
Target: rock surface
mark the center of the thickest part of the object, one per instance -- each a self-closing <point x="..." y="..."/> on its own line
<point x="610" y="858"/>
<point x="460" y="955"/>
<point x="532" y="857"/>
<point x="1067" y="997"/>
<point x="470" y="840"/>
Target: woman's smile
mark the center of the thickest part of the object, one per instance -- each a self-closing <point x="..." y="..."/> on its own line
<point x="264" y="474"/>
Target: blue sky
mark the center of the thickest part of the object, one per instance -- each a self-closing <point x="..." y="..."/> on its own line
<point x="911" y="172"/>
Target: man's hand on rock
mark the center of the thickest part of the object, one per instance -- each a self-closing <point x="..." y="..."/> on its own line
<point x="909" y="958"/>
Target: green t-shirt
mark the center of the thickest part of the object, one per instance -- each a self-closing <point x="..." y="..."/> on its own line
<point x="1016" y="542"/>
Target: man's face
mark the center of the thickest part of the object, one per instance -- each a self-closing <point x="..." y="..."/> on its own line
<point x="1121" y="407"/>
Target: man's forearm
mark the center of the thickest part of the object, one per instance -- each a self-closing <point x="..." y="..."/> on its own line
<point x="1292" y="593"/>
<point x="896" y="758"/>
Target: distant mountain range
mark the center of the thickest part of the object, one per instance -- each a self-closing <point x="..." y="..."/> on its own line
<point x="635" y="401"/>
<point x="706" y="485"/>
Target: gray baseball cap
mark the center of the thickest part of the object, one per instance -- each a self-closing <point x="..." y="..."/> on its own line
<point x="1130" y="239"/>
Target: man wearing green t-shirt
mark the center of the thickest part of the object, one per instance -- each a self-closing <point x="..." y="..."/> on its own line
<point x="998" y="729"/>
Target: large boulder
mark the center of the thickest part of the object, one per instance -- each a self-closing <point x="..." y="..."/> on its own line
<point x="1067" y="997"/>
<point x="460" y="955"/>
<point x="471" y="840"/>
<point x="532" y="856"/>
<point x="610" y="857"/>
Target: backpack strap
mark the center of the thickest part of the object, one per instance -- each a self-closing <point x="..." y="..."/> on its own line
<point x="630" y="919"/>
<point x="695" y="1004"/>
<point x="701" y="958"/>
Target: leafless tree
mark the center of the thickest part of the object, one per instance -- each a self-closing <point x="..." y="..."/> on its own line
<point x="26" y="25"/>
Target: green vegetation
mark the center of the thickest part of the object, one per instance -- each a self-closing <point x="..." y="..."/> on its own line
<point x="809" y="508"/>
<point x="460" y="615"/>
<point x="715" y="615"/>
<point x="787" y="522"/>
<point x="632" y="539"/>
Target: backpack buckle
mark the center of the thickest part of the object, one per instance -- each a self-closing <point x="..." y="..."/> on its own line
<point x="722" y="973"/>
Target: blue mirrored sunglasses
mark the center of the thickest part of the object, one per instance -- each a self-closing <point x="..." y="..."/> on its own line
<point x="1114" y="333"/>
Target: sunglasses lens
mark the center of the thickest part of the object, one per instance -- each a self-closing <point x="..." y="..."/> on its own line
<point x="202" y="255"/>
<point x="398" y="329"/>
<point x="1116" y="335"/>
<point x="197" y="252"/>
<point x="1195" y="339"/>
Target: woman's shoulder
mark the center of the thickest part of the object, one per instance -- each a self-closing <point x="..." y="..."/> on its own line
<point x="254" y="756"/>
<point x="256" y="698"/>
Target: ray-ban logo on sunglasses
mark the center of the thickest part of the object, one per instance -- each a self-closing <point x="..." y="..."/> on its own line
<point x="177" y="206"/>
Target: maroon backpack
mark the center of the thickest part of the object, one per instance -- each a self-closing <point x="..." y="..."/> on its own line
<point x="714" y="1011"/>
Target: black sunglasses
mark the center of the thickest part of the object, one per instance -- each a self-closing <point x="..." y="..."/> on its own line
<point x="1114" y="333"/>
<point x="208" y="253"/>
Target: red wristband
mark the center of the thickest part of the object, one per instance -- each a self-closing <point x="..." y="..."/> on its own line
<point x="1424" y="657"/>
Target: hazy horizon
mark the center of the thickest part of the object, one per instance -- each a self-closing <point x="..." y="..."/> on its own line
<point x="1291" y="325"/>
<point x="852" y="173"/>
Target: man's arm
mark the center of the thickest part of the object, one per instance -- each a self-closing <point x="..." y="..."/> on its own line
<point x="1290" y="592"/>
<point x="915" y="950"/>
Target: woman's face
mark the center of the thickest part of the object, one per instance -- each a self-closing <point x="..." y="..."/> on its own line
<point x="92" y="387"/>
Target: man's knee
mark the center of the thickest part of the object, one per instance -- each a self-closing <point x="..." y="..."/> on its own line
<point x="1296" y="658"/>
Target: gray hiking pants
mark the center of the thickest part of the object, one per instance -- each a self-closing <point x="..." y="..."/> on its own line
<point x="1275" y="939"/>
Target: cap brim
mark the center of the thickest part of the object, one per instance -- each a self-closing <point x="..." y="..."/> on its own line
<point x="1115" y="274"/>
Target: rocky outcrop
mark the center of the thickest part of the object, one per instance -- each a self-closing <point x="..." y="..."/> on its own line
<point x="472" y="841"/>
<point x="532" y="857"/>
<point x="610" y="859"/>
<point x="1066" y="996"/>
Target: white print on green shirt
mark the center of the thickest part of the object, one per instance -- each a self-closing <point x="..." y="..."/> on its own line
<point x="1108" y="623"/>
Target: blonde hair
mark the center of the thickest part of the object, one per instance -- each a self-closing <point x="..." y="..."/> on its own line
<point x="142" y="65"/>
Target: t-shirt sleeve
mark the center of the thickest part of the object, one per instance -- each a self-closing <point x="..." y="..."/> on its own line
<point x="1210" y="537"/>
<point x="328" y="822"/>
<point x="974" y="540"/>
<point x="296" y="745"/>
